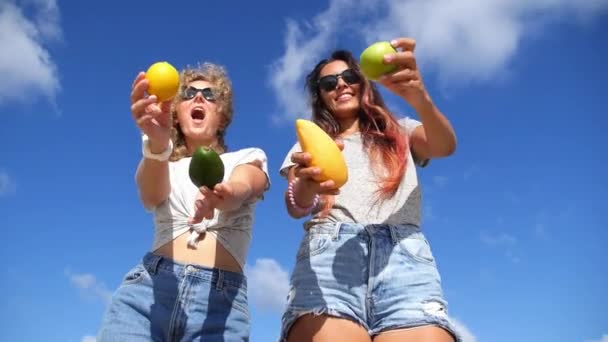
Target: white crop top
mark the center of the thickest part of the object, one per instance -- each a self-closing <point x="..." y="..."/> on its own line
<point x="232" y="229"/>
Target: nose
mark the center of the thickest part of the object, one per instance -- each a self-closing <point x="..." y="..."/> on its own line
<point x="341" y="83"/>
<point x="199" y="97"/>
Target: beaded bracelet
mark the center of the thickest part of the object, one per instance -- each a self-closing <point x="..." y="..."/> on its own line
<point x="291" y="191"/>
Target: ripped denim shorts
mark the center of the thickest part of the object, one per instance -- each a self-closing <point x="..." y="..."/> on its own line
<point x="383" y="277"/>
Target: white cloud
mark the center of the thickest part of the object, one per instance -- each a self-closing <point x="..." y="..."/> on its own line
<point x="268" y="284"/>
<point x="440" y="181"/>
<point x="473" y="170"/>
<point x="502" y="241"/>
<point x="604" y="338"/>
<point x="465" y="333"/>
<point x="89" y="286"/>
<point x="88" y="339"/>
<point x="463" y="41"/>
<point x="7" y="184"/>
<point x="427" y="213"/>
<point x="304" y="45"/>
<point x="26" y="66"/>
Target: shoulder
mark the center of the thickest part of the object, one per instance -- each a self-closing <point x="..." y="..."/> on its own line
<point x="245" y="156"/>
<point x="409" y="124"/>
<point x="244" y="152"/>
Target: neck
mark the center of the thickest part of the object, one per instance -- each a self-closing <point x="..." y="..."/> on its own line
<point x="349" y="125"/>
<point x="193" y="144"/>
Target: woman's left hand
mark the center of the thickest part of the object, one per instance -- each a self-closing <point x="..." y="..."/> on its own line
<point x="406" y="80"/>
<point x="223" y="197"/>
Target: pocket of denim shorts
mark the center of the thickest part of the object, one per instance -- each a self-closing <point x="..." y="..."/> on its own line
<point x="236" y="296"/>
<point x="414" y="244"/>
<point x="313" y="244"/>
<point x="135" y="275"/>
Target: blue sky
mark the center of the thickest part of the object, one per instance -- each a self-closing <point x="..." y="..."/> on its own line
<point x="514" y="217"/>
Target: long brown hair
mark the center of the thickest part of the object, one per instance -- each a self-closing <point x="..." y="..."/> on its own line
<point x="384" y="139"/>
<point x="222" y="89"/>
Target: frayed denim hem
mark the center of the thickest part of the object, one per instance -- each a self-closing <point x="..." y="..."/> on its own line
<point x="292" y="315"/>
<point x="443" y="323"/>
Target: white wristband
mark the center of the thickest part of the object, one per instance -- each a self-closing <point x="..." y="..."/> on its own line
<point x="145" y="149"/>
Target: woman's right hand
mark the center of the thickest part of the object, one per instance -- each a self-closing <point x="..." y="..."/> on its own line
<point x="307" y="173"/>
<point x="153" y="118"/>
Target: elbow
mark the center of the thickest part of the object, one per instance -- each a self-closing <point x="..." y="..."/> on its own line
<point x="444" y="150"/>
<point x="151" y="202"/>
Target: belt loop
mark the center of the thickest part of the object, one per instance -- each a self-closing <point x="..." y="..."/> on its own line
<point x="219" y="282"/>
<point x="394" y="237"/>
<point x="152" y="263"/>
<point x="337" y="231"/>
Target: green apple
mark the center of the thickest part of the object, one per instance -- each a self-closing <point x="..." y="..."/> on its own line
<point x="371" y="60"/>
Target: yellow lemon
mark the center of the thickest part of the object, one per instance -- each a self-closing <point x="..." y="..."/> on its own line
<point x="163" y="80"/>
<point x="325" y="153"/>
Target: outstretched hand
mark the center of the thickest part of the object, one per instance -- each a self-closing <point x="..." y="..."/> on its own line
<point x="224" y="197"/>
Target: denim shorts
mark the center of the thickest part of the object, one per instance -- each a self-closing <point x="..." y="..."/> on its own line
<point x="161" y="300"/>
<point x="383" y="277"/>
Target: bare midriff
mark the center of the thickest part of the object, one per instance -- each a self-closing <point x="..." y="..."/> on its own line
<point x="209" y="253"/>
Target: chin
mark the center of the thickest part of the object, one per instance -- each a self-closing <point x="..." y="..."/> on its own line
<point x="346" y="110"/>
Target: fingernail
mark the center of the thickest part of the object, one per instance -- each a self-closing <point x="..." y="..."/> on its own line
<point x="393" y="42"/>
<point x="388" y="58"/>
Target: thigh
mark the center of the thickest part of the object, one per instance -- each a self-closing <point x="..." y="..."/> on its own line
<point x="408" y="294"/>
<point x="312" y="328"/>
<point x="329" y="278"/>
<point x="128" y="317"/>
<point x="418" y="334"/>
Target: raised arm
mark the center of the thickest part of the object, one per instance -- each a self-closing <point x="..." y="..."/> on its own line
<point x="436" y="137"/>
<point x="154" y="120"/>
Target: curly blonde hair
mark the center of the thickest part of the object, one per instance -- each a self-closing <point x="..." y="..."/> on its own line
<point x="222" y="89"/>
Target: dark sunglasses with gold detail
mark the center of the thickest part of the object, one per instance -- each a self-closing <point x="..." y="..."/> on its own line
<point x="190" y="92"/>
<point x="330" y="82"/>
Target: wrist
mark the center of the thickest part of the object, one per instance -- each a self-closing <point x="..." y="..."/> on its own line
<point x="158" y="148"/>
<point x="295" y="191"/>
<point x="155" y="151"/>
<point x="425" y="105"/>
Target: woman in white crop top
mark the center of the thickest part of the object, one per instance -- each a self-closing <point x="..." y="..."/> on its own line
<point x="190" y="286"/>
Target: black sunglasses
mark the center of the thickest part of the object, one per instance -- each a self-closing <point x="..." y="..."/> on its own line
<point x="330" y="82"/>
<point x="190" y="92"/>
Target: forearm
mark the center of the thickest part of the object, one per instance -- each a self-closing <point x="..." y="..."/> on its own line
<point x="247" y="182"/>
<point x="242" y="191"/>
<point x="439" y="132"/>
<point x="152" y="179"/>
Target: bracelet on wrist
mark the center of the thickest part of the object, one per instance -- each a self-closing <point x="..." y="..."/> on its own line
<point x="148" y="154"/>
<point x="292" y="201"/>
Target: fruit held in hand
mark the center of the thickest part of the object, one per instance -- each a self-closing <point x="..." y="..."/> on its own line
<point x="325" y="153"/>
<point x="163" y="80"/>
<point x="371" y="60"/>
<point x="206" y="168"/>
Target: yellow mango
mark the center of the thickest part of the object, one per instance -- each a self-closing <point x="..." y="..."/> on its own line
<point x="325" y="153"/>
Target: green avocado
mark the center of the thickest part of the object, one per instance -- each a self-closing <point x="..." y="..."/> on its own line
<point x="206" y="168"/>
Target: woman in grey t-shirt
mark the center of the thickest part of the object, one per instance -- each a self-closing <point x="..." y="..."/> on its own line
<point x="364" y="269"/>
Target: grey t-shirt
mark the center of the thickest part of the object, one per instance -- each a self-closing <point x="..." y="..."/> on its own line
<point x="357" y="199"/>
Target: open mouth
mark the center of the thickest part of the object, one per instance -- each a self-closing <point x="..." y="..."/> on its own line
<point x="198" y="114"/>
